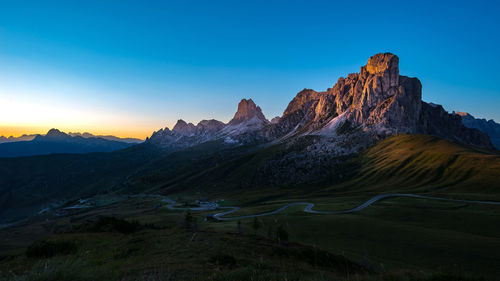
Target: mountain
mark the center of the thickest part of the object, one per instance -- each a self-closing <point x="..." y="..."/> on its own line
<point x="106" y="137"/>
<point x="56" y="141"/>
<point x="489" y="127"/>
<point x="375" y="103"/>
<point x="246" y="124"/>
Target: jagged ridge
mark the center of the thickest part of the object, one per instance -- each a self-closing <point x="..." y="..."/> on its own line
<point x="370" y="105"/>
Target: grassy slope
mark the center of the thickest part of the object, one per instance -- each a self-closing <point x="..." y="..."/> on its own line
<point x="424" y="163"/>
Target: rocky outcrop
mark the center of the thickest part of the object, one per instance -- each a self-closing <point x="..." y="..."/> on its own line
<point x="489" y="127"/>
<point x="377" y="102"/>
<point x="183" y="128"/>
<point x="275" y="120"/>
<point x="247" y="110"/>
<point x="247" y="125"/>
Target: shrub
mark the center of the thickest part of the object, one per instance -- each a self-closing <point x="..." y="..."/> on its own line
<point x="223" y="260"/>
<point x="282" y="234"/>
<point x="104" y="224"/>
<point x="57" y="270"/>
<point x="47" y="249"/>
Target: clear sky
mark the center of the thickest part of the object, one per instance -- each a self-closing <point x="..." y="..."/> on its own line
<point x="131" y="67"/>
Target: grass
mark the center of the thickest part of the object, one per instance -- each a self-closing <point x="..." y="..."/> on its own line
<point x="439" y="235"/>
<point x="426" y="163"/>
<point x="47" y="249"/>
<point x="394" y="239"/>
<point x="445" y="239"/>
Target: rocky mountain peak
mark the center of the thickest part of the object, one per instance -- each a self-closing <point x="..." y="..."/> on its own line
<point x="55" y="133"/>
<point x="184" y="128"/>
<point x="247" y="110"/>
<point x="462" y="113"/>
<point x="382" y="62"/>
<point x="302" y="101"/>
<point x="211" y="125"/>
<point x="275" y="120"/>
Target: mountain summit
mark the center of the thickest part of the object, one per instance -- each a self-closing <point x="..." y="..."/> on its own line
<point x="55" y="134"/>
<point x="247" y="110"/>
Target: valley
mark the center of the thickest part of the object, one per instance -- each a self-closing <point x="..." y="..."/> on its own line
<point x="420" y="226"/>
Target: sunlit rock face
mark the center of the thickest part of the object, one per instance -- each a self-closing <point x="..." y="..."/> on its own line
<point x="377" y="98"/>
<point x="247" y="110"/>
<point x="376" y="102"/>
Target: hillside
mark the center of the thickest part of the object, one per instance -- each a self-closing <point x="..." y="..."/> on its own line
<point x="429" y="163"/>
<point x="28" y="184"/>
<point x="413" y="163"/>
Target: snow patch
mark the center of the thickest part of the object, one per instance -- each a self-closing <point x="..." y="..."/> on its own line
<point x="253" y="124"/>
<point x="330" y="129"/>
<point x="230" y="140"/>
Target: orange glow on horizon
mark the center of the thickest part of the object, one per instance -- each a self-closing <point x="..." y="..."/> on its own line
<point x="131" y="132"/>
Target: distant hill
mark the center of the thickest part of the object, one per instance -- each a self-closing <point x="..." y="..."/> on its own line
<point x="14" y="139"/>
<point x="27" y="137"/>
<point x="56" y="141"/>
<point x="106" y="137"/>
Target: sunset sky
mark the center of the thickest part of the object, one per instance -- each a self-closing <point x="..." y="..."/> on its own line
<point x="131" y="67"/>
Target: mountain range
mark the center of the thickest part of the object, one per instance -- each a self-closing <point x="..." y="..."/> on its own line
<point x="28" y="137"/>
<point x="365" y="107"/>
<point x="56" y="141"/>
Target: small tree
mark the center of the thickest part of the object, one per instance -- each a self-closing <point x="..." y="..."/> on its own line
<point x="256" y="225"/>
<point x="270" y="231"/>
<point x="188" y="218"/>
<point x="195" y="225"/>
<point x="282" y="235"/>
<point x="240" y="229"/>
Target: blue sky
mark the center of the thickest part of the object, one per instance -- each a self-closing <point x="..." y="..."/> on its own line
<point x="131" y="67"/>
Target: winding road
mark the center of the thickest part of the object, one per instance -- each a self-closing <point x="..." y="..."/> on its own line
<point x="308" y="206"/>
